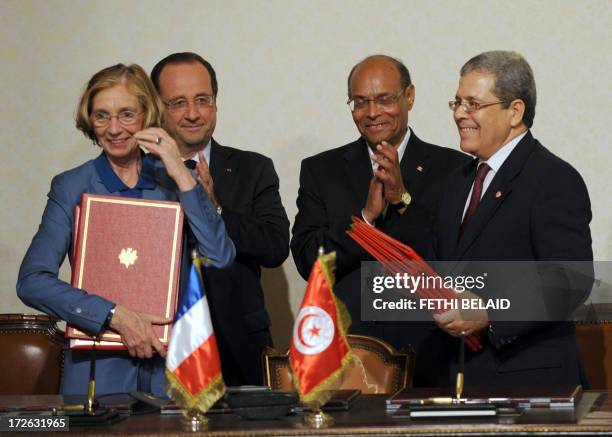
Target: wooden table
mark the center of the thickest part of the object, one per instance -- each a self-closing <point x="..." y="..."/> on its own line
<point x="366" y="417"/>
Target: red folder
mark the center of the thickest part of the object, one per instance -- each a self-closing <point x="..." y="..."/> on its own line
<point x="129" y="252"/>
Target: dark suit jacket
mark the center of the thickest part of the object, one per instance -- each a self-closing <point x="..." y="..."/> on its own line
<point x="536" y="208"/>
<point x="333" y="187"/>
<point x="246" y="186"/>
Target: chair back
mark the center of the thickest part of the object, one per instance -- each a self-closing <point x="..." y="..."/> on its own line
<point x="594" y="335"/>
<point x="32" y="354"/>
<point x="379" y="368"/>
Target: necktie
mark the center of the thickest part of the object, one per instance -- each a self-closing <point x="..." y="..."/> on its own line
<point x="190" y="164"/>
<point x="481" y="173"/>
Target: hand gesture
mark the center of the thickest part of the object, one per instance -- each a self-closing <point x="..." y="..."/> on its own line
<point x="160" y="144"/>
<point x="375" y="203"/>
<point x="205" y="178"/>
<point x="389" y="172"/>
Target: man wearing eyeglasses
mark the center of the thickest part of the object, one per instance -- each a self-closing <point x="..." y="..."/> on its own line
<point x="243" y="187"/>
<point x="388" y="176"/>
<point x="515" y="202"/>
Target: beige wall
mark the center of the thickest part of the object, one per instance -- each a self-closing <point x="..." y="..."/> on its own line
<point x="282" y="68"/>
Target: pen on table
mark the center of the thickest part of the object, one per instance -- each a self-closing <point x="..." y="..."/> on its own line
<point x="438" y="401"/>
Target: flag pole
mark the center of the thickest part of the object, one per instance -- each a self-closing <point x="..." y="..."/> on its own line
<point x="193" y="419"/>
<point x="317" y="418"/>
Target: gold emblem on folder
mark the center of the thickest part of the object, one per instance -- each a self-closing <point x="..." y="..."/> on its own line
<point x="128" y="257"/>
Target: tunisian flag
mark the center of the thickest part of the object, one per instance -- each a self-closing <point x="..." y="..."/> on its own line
<point x="319" y="351"/>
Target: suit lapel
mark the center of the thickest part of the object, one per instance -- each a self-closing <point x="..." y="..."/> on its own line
<point x="98" y="186"/>
<point x="358" y="168"/>
<point x="463" y="184"/>
<point x="222" y="170"/>
<point x="414" y="164"/>
<point x="497" y="192"/>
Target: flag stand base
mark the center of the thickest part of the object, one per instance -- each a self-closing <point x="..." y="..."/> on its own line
<point x="194" y="420"/>
<point x="318" y="419"/>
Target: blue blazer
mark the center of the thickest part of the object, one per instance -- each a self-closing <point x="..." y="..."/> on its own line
<point x="38" y="284"/>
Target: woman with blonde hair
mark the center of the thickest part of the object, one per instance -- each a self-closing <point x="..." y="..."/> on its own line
<point x="119" y="111"/>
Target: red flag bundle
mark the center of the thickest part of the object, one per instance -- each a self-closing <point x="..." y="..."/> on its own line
<point x="319" y="352"/>
<point x="397" y="257"/>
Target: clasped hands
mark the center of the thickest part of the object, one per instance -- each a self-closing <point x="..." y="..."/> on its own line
<point x="387" y="185"/>
<point x="458" y="322"/>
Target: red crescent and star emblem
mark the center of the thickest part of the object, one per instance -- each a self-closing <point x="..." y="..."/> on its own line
<point x="313" y="331"/>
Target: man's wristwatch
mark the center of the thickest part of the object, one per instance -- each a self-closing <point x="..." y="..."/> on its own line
<point x="404" y="201"/>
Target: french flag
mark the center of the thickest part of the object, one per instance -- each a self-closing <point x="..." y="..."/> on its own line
<point x="193" y="366"/>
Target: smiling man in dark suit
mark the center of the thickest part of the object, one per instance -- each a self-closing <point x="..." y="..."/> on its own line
<point x="515" y="202"/>
<point x="243" y="187"/>
<point x="388" y="176"/>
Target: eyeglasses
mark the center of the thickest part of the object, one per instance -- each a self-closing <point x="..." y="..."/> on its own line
<point x="471" y="105"/>
<point x="386" y="101"/>
<point x="125" y="118"/>
<point x="181" y="104"/>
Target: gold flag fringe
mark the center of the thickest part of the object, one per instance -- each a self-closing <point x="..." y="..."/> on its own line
<point x="319" y="395"/>
<point x="202" y="401"/>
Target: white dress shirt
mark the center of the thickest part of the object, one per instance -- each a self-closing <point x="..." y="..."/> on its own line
<point x="495" y="162"/>
<point x="400" y="150"/>
<point x="196" y="157"/>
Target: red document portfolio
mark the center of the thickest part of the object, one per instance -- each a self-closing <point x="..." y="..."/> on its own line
<point x="127" y="251"/>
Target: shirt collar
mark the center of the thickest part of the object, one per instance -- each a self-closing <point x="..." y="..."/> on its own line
<point x="499" y="157"/>
<point x="400" y="150"/>
<point x="206" y="151"/>
<point x="112" y="182"/>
